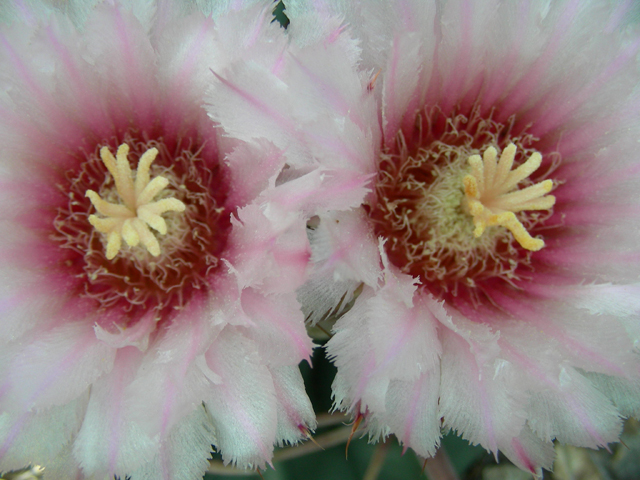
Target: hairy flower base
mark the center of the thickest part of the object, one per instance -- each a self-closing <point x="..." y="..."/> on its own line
<point x="422" y="209"/>
<point x="136" y="279"/>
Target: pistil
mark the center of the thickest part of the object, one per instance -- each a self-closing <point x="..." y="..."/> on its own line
<point x="492" y="196"/>
<point x="131" y="220"/>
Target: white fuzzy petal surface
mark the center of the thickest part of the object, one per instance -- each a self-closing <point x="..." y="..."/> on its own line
<point x="107" y="441"/>
<point x="296" y="417"/>
<point x="243" y="404"/>
<point x="43" y="438"/>
<point x="184" y="452"/>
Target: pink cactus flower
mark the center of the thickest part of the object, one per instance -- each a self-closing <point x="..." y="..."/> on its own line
<point x="148" y="290"/>
<point x="493" y="267"/>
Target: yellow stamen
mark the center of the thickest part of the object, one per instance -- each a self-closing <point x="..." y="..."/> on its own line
<point x="132" y="220"/>
<point x="492" y="196"/>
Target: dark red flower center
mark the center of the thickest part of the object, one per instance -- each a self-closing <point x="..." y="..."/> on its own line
<point x="422" y="212"/>
<point x="136" y="281"/>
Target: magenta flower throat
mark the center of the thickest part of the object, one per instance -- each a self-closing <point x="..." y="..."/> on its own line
<point x="461" y="223"/>
<point x="157" y="259"/>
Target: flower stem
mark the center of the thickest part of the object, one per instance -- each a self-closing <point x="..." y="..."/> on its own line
<point x="440" y="467"/>
<point x="376" y="462"/>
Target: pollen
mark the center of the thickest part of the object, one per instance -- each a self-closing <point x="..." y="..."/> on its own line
<point x="492" y="196"/>
<point x="130" y="220"/>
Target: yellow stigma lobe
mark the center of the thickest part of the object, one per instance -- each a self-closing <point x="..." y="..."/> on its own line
<point x="132" y="220"/>
<point x="492" y="196"/>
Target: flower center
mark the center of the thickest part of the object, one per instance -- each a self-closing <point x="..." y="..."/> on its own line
<point x="172" y="215"/>
<point x="454" y="220"/>
<point x="132" y="220"/>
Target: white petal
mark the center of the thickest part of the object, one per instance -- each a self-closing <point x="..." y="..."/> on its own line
<point x="137" y="335"/>
<point x="109" y="441"/>
<point x="625" y="394"/>
<point x="184" y="452"/>
<point x="575" y="413"/>
<point x="404" y="339"/>
<point x="344" y="245"/>
<point x="272" y="249"/>
<point x="477" y="388"/>
<point x="243" y="405"/>
<point x="529" y="452"/>
<point x="321" y="190"/>
<point x="245" y="160"/>
<point x="40" y="438"/>
<point x="278" y="328"/>
<point x="350" y="350"/>
<point x="170" y="383"/>
<point x="412" y="412"/>
<point x="562" y="403"/>
<point x="55" y="367"/>
<point x="295" y="412"/>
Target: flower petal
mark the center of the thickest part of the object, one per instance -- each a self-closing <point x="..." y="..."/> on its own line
<point x="295" y="412"/>
<point x="54" y="368"/>
<point x="41" y="437"/>
<point x="108" y="441"/>
<point x="243" y="404"/>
